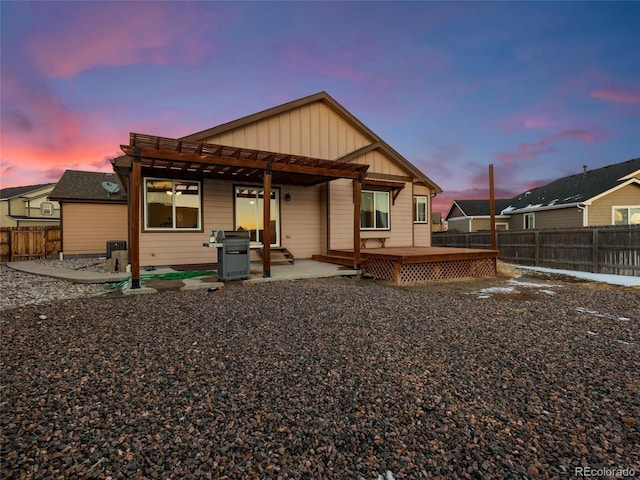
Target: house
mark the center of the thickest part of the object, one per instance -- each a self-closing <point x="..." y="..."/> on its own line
<point x="605" y="196"/>
<point x="437" y="222"/>
<point x="331" y="181"/>
<point x="29" y="205"/>
<point x="475" y="215"/>
<point x="93" y="208"/>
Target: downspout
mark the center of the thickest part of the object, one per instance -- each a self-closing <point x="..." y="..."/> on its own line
<point x="583" y="207"/>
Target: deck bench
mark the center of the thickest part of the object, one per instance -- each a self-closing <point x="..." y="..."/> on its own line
<point x="381" y="240"/>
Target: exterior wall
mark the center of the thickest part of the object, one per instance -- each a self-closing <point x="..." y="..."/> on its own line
<point x="556" y="218"/>
<point x="28" y="205"/>
<point x="422" y="231"/>
<point x="5" y="221"/>
<point x="87" y="227"/>
<point x="601" y="211"/>
<point x="401" y="232"/>
<point x="459" y="224"/>
<point x="316" y="218"/>
<point x="302" y="226"/>
<point x="313" y="130"/>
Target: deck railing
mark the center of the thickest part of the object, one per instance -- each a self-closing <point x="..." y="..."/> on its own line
<point x="604" y="249"/>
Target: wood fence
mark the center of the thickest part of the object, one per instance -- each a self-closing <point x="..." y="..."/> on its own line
<point x="28" y="243"/>
<point x="613" y="250"/>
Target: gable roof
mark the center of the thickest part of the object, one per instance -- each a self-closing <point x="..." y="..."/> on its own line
<point x="76" y="186"/>
<point x="376" y="141"/>
<point x="478" y="208"/>
<point x="576" y="189"/>
<point x="11" y="192"/>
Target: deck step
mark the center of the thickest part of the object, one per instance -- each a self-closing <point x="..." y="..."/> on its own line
<point x="278" y="255"/>
<point x="336" y="259"/>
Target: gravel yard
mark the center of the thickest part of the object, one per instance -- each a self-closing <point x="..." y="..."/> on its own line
<point x="334" y="378"/>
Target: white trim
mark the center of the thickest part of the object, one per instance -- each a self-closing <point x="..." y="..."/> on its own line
<point x="611" y="190"/>
<point x="415" y="209"/>
<point x="539" y="209"/>
<point x="531" y="215"/>
<point x="618" y="207"/>
<point x="451" y="208"/>
<point x="630" y="175"/>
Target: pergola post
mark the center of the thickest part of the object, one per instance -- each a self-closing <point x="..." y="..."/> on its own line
<point x="357" y="197"/>
<point x="266" y="223"/>
<point x="134" y="219"/>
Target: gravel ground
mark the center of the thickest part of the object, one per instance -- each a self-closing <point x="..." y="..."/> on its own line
<point x="334" y="378"/>
<point x="18" y="288"/>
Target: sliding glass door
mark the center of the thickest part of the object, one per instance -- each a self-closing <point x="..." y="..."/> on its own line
<point x="249" y="213"/>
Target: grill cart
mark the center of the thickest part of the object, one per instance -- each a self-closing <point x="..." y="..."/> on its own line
<point x="233" y="254"/>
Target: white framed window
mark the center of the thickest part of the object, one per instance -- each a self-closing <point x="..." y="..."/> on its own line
<point x="46" y="208"/>
<point x="172" y="204"/>
<point x="624" y="215"/>
<point x="374" y="210"/>
<point x="420" y="209"/>
<point x="529" y="221"/>
<point x="249" y="213"/>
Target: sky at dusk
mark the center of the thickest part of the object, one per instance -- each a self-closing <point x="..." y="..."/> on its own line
<point x="537" y="89"/>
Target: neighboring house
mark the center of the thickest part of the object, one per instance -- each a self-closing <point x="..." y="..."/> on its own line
<point x="28" y="206"/>
<point x="475" y="215"/>
<point x="605" y="196"/>
<point x="438" y="223"/>
<point x="94" y="211"/>
<point x="316" y="161"/>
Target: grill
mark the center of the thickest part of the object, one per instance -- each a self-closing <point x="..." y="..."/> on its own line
<point x="233" y="254"/>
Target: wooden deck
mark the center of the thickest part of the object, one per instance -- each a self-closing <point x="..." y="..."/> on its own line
<point x="409" y="265"/>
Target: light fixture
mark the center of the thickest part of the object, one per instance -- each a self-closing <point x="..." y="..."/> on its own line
<point x="287" y="197"/>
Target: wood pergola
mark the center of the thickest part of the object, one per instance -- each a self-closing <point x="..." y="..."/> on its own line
<point x="148" y="155"/>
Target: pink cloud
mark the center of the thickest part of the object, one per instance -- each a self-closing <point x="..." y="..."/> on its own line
<point x="616" y="96"/>
<point x="96" y="35"/>
<point x="529" y="122"/>
<point x="529" y="151"/>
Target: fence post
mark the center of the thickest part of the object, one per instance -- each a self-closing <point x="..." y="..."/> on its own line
<point x="596" y="256"/>
<point x="536" y="241"/>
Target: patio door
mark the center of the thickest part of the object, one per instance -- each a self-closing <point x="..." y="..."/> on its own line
<point x="249" y="212"/>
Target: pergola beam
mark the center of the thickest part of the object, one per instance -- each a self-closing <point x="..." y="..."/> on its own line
<point x="350" y="171"/>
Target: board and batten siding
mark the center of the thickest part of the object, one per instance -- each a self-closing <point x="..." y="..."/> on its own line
<point x="601" y="211"/>
<point x="86" y="228"/>
<point x="313" y="130"/>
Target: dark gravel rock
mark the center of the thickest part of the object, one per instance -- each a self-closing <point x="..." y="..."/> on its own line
<point x="336" y="378"/>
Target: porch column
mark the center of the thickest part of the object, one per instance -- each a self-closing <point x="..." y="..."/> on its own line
<point x="266" y="223"/>
<point x="357" y="196"/>
<point x="134" y="219"/>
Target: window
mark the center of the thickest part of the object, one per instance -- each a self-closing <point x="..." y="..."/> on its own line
<point x="420" y="209"/>
<point x="626" y="215"/>
<point x="374" y="210"/>
<point x="46" y="208"/>
<point x="250" y="212"/>
<point x="172" y="204"/>
<point x="529" y="221"/>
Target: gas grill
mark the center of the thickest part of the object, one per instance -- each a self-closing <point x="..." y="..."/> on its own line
<point x="233" y="254"/>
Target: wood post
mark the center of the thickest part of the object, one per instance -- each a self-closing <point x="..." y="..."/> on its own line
<point x="596" y="255"/>
<point x="357" y="198"/>
<point x="134" y="218"/>
<point x="492" y="210"/>
<point x="266" y="223"/>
